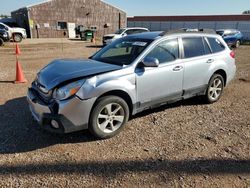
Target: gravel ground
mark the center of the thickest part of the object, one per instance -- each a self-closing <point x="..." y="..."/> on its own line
<point x="187" y="144"/>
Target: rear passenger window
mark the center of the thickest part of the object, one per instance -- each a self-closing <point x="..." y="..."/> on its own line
<point x="216" y="45"/>
<point x="194" y="47"/>
<point x="166" y="51"/>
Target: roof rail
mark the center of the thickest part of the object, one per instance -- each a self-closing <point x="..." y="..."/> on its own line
<point x="186" y="30"/>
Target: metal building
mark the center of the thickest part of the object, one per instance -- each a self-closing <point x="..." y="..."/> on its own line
<point x="166" y="23"/>
<point x="58" y="18"/>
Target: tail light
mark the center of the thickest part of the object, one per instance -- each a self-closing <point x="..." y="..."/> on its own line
<point x="232" y="54"/>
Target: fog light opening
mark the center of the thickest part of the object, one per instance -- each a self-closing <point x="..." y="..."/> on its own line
<point x="55" y="124"/>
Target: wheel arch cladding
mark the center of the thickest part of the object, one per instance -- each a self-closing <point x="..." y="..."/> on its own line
<point x="118" y="93"/>
<point x="223" y="74"/>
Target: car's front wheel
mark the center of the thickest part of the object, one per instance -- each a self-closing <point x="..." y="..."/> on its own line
<point x="215" y="88"/>
<point x="108" y="117"/>
<point x="17" y="38"/>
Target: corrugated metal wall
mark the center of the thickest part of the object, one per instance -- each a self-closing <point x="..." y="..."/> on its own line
<point x="81" y="12"/>
<point x="243" y="26"/>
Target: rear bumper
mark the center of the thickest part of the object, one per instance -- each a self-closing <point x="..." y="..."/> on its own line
<point x="71" y="115"/>
<point x="232" y="73"/>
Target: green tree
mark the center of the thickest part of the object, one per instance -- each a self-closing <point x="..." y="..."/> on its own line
<point x="4" y="16"/>
<point x="246" y="12"/>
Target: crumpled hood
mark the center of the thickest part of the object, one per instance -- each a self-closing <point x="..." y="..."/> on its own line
<point x="63" y="70"/>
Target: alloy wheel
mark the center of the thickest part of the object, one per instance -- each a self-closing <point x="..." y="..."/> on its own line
<point x="215" y="90"/>
<point x="111" y="118"/>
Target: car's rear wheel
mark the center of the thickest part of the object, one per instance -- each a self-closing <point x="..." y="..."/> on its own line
<point x="215" y="88"/>
<point x="1" y="42"/>
<point x="17" y="37"/>
<point x="108" y="117"/>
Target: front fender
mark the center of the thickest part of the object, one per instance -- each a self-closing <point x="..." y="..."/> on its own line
<point x="94" y="88"/>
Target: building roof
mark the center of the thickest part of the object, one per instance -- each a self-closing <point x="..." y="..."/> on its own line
<point x="35" y="4"/>
<point x="113" y="6"/>
<point x="46" y="1"/>
<point x="192" y="18"/>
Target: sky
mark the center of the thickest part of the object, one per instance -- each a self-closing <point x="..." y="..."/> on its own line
<point x="157" y="7"/>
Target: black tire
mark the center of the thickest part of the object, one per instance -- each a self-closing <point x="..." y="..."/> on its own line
<point x="1" y="42"/>
<point x="100" y="109"/>
<point x="211" y="96"/>
<point x="17" y="37"/>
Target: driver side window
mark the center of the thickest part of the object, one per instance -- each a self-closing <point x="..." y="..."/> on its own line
<point x="166" y="51"/>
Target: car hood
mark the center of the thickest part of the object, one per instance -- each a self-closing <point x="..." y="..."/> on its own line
<point x="63" y="70"/>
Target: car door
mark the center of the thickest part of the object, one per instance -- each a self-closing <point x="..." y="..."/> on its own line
<point x="163" y="83"/>
<point x="198" y="59"/>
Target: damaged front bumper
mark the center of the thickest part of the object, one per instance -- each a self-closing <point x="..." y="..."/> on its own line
<point x="69" y="115"/>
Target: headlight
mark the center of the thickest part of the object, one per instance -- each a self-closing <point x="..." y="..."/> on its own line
<point x="5" y="35"/>
<point x="67" y="91"/>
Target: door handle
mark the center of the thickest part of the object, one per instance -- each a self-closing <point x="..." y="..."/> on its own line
<point x="178" y="68"/>
<point x="210" y="61"/>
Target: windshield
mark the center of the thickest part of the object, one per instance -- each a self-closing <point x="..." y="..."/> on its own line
<point x="122" y="51"/>
<point x="120" y="31"/>
<point x="10" y="24"/>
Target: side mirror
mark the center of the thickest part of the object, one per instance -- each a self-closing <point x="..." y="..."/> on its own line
<point x="150" y="62"/>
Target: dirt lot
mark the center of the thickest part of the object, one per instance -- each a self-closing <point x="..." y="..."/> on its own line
<point x="187" y="144"/>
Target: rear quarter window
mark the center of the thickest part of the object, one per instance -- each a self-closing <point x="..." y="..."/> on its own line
<point x="216" y="45"/>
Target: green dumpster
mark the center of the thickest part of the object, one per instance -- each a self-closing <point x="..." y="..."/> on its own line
<point x="89" y="35"/>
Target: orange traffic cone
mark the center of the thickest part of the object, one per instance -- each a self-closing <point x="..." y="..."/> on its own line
<point x="18" y="51"/>
<point x="19" y="74"/>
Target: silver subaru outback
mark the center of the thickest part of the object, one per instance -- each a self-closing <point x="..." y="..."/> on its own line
<point x="132" y="74"/>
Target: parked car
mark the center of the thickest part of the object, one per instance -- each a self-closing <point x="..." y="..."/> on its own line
<point x="233" y="37"/>
<point x="18" y="34"/>
<point x="132" y="74"/>
<point x="3" y="37"/>
<point x="107" y="39"/>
